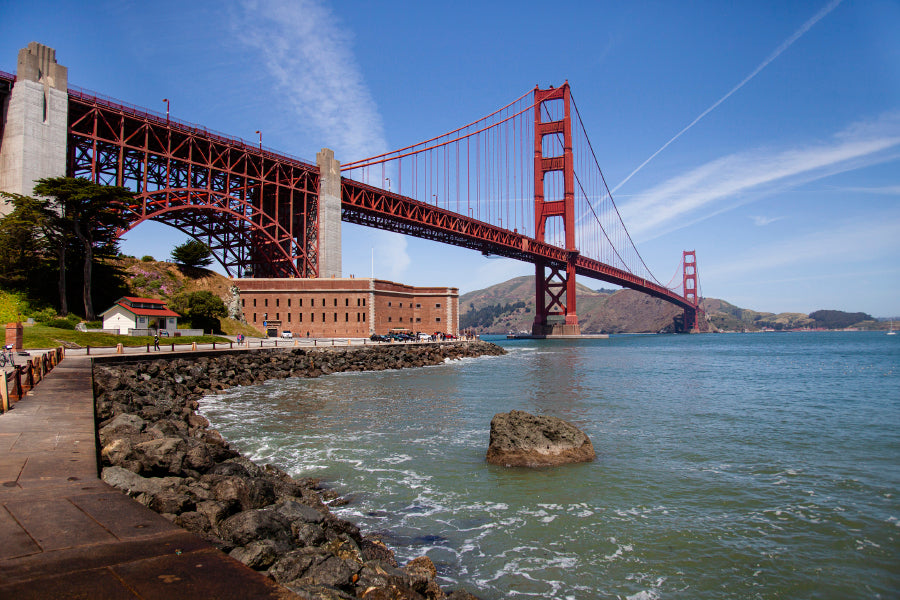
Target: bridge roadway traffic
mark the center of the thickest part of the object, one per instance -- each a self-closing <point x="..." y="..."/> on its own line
<point x="66" y="534"/>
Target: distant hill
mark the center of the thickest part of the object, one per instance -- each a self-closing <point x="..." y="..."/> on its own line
<point x="509" y="307"/>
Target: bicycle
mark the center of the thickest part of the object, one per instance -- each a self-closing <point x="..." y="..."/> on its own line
<point x="7" y="356"/>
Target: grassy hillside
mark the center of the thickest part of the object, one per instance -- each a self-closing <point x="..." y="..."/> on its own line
<point x="149" y="279"/>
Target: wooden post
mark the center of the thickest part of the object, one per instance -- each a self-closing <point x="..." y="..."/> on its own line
<point x="4" y="394"/>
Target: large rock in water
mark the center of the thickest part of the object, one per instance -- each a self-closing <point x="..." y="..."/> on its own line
<point x="520" y="439"/>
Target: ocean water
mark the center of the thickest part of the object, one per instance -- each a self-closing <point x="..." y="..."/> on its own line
<point x="746" y="466"/>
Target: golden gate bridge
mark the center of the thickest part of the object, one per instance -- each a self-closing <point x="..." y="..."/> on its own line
<point x="523" y="182"/>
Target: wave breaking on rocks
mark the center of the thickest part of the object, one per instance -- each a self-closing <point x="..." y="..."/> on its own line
<point x="157" y="449"/>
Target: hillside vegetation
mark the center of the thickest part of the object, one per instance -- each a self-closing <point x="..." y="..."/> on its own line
<point x="509" y="307"/>
<point x="144" y="278"/>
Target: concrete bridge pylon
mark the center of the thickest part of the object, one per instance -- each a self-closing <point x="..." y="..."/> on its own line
<point x="34" y="122"/>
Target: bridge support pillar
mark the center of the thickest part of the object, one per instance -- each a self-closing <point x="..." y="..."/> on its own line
<point x="329" y="230"/>
<point x="554" y="296"/>
<point x="35" y="123"/>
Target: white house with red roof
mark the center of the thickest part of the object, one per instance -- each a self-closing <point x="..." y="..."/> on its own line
<point x="140" y="313"/>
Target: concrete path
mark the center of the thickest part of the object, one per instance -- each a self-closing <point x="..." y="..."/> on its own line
<point x="64" y="534"/>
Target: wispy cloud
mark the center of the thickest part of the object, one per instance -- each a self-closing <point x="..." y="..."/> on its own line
<point x="860" y="242"/>
<point x="761" y="221"/>
<point x="310" y="57"/>
<point x="733" y="180"/>
<point x="391" y="256"/>
<point x="306" y="51"/>
<point x="775" y="54"/>
<point x="884" y="190"/>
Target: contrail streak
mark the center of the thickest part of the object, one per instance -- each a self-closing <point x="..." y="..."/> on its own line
<point x="784" y="46"/>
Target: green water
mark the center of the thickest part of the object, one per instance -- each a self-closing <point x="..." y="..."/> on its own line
<point x="729" y="466"/>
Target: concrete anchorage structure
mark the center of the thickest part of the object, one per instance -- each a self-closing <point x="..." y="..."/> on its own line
<point x="329" y="214"/>
<point x="35" y="122"/>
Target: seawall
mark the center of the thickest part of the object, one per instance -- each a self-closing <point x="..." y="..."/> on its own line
<point x="156" y="448"/>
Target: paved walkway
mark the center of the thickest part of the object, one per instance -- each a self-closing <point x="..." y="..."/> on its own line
<point x="64" y="534"/>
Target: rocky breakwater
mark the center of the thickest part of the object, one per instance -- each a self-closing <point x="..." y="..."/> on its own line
<point x="156" y="448"/>
<point x="520" y="439"/>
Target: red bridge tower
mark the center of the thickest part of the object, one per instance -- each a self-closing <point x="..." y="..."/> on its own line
<point x="554" y="290"/>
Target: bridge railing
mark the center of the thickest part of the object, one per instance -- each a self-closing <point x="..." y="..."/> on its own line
<point x="161" y="118"/>
<point x="16" y="383"/>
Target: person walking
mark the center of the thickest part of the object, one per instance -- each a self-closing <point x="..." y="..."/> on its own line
<point x="156" y="341"/>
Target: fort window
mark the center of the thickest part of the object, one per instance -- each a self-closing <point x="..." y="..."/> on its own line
<point x="289" y="317"/>
<point x="438" y="319"/>
<point x="438" y="305"/>
<point x="243" y="303"/>
<point x="266" y="301"/>
<point x="277" y="301"/>
<point x="254" y="306"/>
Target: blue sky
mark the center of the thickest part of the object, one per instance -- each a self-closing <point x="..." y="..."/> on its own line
<point x="764" y="135"/>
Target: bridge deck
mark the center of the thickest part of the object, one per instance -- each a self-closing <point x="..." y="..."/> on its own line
<point x="66" y="534"/>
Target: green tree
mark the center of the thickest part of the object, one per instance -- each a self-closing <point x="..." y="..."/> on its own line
<point x="203" y="309"/>
<point x="90" y="212"/>
<point x="192" y="254"/>
<point x="23" y="245"/>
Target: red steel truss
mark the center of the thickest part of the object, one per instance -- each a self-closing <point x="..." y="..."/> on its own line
<point x="257" y="211"/>
<point x="374" y="207"/>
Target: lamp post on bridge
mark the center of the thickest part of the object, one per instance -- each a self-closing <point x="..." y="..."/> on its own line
<point x="388" y="179"/>
<point x="260" y="139"/>
<point x="166" y="100"/>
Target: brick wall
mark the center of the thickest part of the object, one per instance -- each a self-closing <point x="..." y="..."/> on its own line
<point x="346" y="307"/>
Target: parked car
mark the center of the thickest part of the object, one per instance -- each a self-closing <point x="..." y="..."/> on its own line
<point x="287" y="335"/>
<point x="424" y="337"/>
<point x="379" y="338"/>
